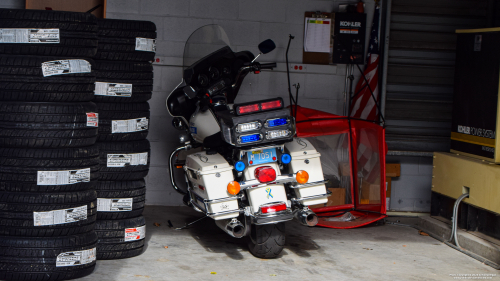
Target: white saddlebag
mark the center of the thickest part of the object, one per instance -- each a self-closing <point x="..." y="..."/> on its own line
<point x="305" y="157"/>
<point x="209" y="176"/>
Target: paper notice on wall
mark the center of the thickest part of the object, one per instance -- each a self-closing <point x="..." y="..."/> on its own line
<point x="124" y="160"/>
<point x="113" y="89"/>
<point x="60" y="216"/>
<point x="63" y="177"/>
<point x="137" y="233"/>
<point x="129" y="126"/>
<point x="58" y="67"/>
<point x="29" y="35"/>
<point x="145" y="44"/>
<point x="76" y="258"/>
<point x="317" y="33"/>
<point x="114" y="204"/>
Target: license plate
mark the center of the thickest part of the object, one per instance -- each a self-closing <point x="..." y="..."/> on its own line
<point x="262" y="156"/>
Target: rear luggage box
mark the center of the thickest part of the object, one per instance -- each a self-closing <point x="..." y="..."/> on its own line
<point x="209" y="176"/>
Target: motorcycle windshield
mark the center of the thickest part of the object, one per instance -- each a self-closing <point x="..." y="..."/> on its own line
<point x="203" y="42"/>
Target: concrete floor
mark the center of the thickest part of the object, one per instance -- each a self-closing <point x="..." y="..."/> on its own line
<point x="380" y="252"/>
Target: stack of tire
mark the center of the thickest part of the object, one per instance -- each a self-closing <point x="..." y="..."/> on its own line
<point x="124" y="84"/>
<point x="49" y="161"/>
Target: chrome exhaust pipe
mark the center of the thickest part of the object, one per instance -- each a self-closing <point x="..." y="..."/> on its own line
<point x="232" y="227"/>
<point x="306" y="217"/>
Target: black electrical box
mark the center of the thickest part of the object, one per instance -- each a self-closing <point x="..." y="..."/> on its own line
<point x="349" y="38"/>
<point x="476" y="105"/>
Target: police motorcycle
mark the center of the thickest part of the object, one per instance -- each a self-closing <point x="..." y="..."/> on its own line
<point x="243" y="167"/>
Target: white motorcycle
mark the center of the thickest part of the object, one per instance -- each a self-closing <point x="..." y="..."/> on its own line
<point x="245" y="169"/>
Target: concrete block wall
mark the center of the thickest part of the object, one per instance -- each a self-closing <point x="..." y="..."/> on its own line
<point x="412" y="190"/>
<point x="247" y="23"/>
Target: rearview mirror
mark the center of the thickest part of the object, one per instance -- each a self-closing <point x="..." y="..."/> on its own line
<point x="267" y="46"/>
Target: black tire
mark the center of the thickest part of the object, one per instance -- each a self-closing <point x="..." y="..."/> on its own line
<point x="136" y="190"/>
<point x="126" y="28"/>
<point x="45" y="124"/>
<point x="117" y="39"/>
<point x="112" y="244"/>
<point x="109" y="112"/>
<point x="139" y="74"/>
<point x="22" y="223"/>
<point x="267" y="241"/>
<point x="128" y="172"/>
<point x="21" y="79"/>
<point x="78" y="32"/>
<point x="35" y="258"/>
<point x="19" y="168"/>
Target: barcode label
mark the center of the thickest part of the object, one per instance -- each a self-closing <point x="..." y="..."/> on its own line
<point x="58" y="67"/>
<point x="130" y="125"/>
<point x="76" y="258"/>
<point x="113" y="89"/>
<point x="63" y="177"/>
<point x="114" y="204"/>
<point x="60" y="216"/>
<point x="29" y="35"/>
<point x="124" y="160"/>
<point x="92" y="119"/>
<point x="145" y="44"/>
<point x="137" y="233"/>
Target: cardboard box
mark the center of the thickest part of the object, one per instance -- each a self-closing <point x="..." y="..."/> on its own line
<point x="69" y="5"/>
<point x="337" y="198"/>
<point x="392" y="170"/>
<point x="370" y="193"/>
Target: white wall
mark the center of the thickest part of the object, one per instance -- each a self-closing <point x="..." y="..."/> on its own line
<point x="247" y="23"/>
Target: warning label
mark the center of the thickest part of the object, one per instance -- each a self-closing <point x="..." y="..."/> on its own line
<point x="29" y="35"/>
<point x="59" y="67"/>
<point x="60" y="216"/>
<point x="137" y="233"/>
<point x="63" y="177"/>
<point x="92" y="119"/>
<point x="130" y="125"/>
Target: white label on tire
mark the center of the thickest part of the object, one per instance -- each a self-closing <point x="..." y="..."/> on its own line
<point x="145" y="44"/>
<point x="63" y="177"/>
<point x="124" y="160"/>
<point x="76" y="258"/>
<point x="58" y="67"/>
<point x="137" y="233"/>
<point x="114" y="204"/>
<point x="60" y="216"/>
<point x="113" y="89"/>
<point x="29" y="35"/>
<point x="130" y="125"/>
<point x="92" y="119"/>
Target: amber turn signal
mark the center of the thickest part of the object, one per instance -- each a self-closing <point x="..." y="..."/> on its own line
<point x="302" y="177"/>
<point x="233" y="188"/>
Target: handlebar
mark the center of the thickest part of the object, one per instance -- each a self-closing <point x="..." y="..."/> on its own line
<point x="267" y="65"/>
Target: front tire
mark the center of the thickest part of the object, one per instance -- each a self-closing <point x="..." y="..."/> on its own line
<point x="267" y="241"/>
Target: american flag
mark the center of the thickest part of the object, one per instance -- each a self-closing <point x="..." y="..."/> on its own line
<point x="362" y="105"/>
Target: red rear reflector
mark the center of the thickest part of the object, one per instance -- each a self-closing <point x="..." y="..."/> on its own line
<point x="273" y="208"/>
<point x="271" y="104"/>
<point x="265" y="174"/>
<point x="248" y="108"/>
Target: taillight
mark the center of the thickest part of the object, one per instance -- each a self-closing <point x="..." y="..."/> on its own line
<point x="273" y="208"/>
<point x="265" y="174"/>
<point x="248" y="108"/>
<point x="271" y="104"/>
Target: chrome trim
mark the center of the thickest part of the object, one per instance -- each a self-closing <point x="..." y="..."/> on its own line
<point x="206" y="202"/>
<point x="282" y="216"/>
<point x="244" y="185"/>
<point x="217" y="213"/>
<point x="328" y="193"/>
<point x="171" y="167"/>
<point x="296" y="186"/>
<point x="224" y="199"/>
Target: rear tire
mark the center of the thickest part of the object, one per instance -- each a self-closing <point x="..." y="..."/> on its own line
<point x="267" y="241"/>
